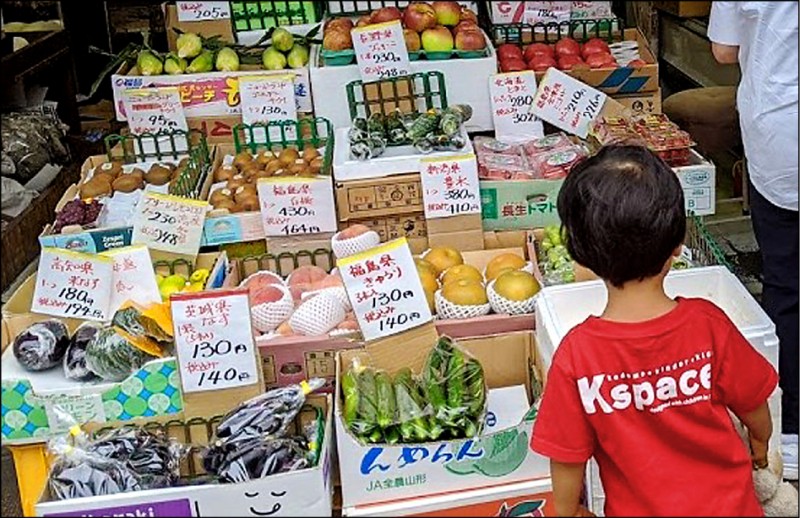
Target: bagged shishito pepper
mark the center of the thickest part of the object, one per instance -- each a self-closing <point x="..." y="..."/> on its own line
<point x="447" y="399"/>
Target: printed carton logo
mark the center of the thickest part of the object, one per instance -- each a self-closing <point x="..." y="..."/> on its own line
<point x="534" y="508"/>
<point x="696" y="178"/>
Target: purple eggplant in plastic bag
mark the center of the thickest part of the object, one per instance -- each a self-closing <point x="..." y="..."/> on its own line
<point x="75" y="359"/>
<point x="42" y="345"/>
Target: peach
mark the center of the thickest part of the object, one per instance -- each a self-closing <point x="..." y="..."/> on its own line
<point x="352" y="231"/>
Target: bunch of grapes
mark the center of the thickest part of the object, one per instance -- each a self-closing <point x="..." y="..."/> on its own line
<point x="77" y="212"/>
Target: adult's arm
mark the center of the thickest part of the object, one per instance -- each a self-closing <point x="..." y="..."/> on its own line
<point x="723" y="32"/>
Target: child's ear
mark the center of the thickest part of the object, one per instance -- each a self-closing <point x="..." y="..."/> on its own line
<point x="677" y="251"/>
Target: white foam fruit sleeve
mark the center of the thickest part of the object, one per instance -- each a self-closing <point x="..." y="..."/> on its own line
<point x="266" y="317"/>
<point x="506" y="306"/>
<point x="354" y="245"/>
<point x="317" y="315"/>
<point x="448" y="311"/>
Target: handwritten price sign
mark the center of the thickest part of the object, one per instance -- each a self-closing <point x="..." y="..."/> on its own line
<point x="150" y="110"/>
<point x="71" y="284"/>
<point x="169" y="223"/>
<point x="450" y="186"/>
<point x="385" y="290"/>
<point x="512" y="97"/>
<point x="133" y="277"/>
<point x="381" y="51"/>
<point x="198" y="11"/>
<point x="293" y="206"/>
<point x="267" y="98"/>
<point x="567" y="103"/>
<point x="214" y="340"/>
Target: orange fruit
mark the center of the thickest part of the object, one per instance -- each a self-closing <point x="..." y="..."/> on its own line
<point x="443" y="257"/>
<point x="516" y="285"/>
<point x="502" y="262"/>
<point x="461" y="271"/>
<point x="464" y="292"/>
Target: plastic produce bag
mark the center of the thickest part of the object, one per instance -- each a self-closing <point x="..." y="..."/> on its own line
<point x="257" y="458"/>
<point x="75" y="359"/>
<point x="112" y="355"/>
<point x="448" y="399"/>
<point x="42" y="345"/>
<point x="31" y="141"/>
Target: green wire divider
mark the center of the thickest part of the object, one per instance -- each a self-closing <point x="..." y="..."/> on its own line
<point x="275" y="263"/>
<point x="357" y="8"/>
<point x="705" y="249"/>
<point x="608" y="29"/>
<point x="264" y="15"/>
<point x="174" y="266"/>
<point x="277" y="135"/>
<point x="151" y="147"/>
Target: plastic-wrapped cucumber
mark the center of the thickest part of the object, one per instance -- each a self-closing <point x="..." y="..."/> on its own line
<point x="386" y="405"/>
<point x="75" y="359"/>
<point x="410" y="414"/>
<point x="42" y="345"/>
<point x="350" y="396"/>
<point x="476" y="388"/>
<point x="367" y="404"/>
<point x="112" y="356"/>
<point x="456" y="388"/>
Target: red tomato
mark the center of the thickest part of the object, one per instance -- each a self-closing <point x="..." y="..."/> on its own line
<point x="600" y="59"/>
<point x="568" y="62"/>
<point x="595" y="46"/>
<point x="568" y="46"/>
<point x="637" y="63"/>
<point x="541" y="63"/>
<point x="513" y="65"/>
<point x="508" y="50"/>
<point x="538" y="49"/>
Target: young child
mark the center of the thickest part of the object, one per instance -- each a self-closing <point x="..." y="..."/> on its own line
<point x="645" y="388"/>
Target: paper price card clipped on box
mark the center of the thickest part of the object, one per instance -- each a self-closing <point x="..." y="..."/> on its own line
<point x="214" y="340"/>
<point x="567" y="103"/>
<point x="385" y="290"/>
<point x="154" y="110"/>
<point x="381" y="51"/>
<point x="74" y="285"/>
<point x="267" y="99"/>
<point x="169" y="223"/>
<point x="133" y="278"/>
<point x="450" y="186"/>
<point x="293" y="206"/>
<point x="198" y="11"/>
<point x="512" y="97"/>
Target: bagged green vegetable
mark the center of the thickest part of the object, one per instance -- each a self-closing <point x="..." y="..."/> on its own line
<point x="113" y="356"/>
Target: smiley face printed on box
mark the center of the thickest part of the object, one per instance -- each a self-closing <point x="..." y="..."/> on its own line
<point x="251" y="503"/>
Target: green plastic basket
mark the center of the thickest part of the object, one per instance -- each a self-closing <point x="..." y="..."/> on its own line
<point x="255" y="16"/>
<point x="415" y="93"/>
<point x="357" y="8"/>
<point x="275" y="136"/>
<point x="136" y="148"/>
<point x="337" y="58"/>
<point x="285" y="263"/>
<point x="172" y="267"/>
<point x="608" y="29"/>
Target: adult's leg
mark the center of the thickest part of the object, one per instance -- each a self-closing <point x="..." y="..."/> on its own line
<point x="776" y="231"/>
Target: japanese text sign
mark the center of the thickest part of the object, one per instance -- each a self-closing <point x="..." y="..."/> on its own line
<point x="450" y="186"/>
<point x="567" y="103"/>
<point x="293" y="206"/>
<point x="133" y="278"/>
<point x="267" y="98"/>
<point x="381" y="51"/>
<point x="150" y="110"/>
<point x="512" y="96"/>
<point x="72" y="284"/>
<point x="169" y="223"/>
<point x="214" y="340"/>
<point x="198" y="11"/>
<point x="385" y="290"/>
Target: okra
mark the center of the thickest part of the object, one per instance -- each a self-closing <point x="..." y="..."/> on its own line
<point x="386" y="403"/>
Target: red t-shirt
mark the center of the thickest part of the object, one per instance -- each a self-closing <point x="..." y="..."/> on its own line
<point x="649" y="401"/>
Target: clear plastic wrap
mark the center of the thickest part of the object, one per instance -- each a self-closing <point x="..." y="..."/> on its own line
<point x="42" y="345"/>
<point x="75" y="359"/>
<point x="554" y="260"/>
<point x="113" y="356"/>
<point x="30" y="141"/>
<point x="447" y="400"/>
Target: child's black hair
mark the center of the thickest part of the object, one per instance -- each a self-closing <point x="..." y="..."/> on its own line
<point x="623" y="212"/>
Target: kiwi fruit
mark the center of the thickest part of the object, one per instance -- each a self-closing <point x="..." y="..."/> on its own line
<point x="262" y="174"/>
<point x="128" y="182"/>
<point x="227" y="204"/>
<point x="224" y="173"/>
<point x="243" y="192"/>
<point x="219" y="195"/>
<point x="112" y="169"/>
<point x="288" y="156"/>
<point x="310" y="153"/>
<point x="96" y="187"/>
<point x="297" y="169"/>
<point x="316" y="165"/>
<point x="273" y="166"/>
<point x="241" y="159"/>
<point x="264" y="157"/>
<point x="248" y="204"/>
<point x="250" y="170"/>
<point x="157" y="175"/>
<point x="235" y="182"/>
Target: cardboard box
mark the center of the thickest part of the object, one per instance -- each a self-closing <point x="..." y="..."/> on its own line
<point x="378" y="473"/>
<point x="296" y="493"/>
<point x="699" y="185"/>
<point x="411" y="225"/>
<point x="535" y="239"/>
<point x="532" y="498"/>
<point x="329" y="84"/>
<point x="519" y="204"/>
<point x="685" y="9"/>
<point x="643" y="103"/>
<point x="376" y="197"/>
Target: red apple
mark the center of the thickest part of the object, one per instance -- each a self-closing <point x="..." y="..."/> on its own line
<point x="437" y="39"/>
<point x="447" y="13"/>
<point x="600" y="59"/>
<point x="465" y="25"/>
<point x="364" y="20"/>
<point x="468" y="14"/>
<point x="413" y="43"/>
<point x="509" y="50"/>
<point x="568" y="46"/>
<point x="386" y="14"/>
<point x="594" y="46"/>
<point x="419" y="17"/>
<point x="541" y="63"/>
<point x="637" y="63"/>
<point x="469" y="39"/>
<point x="513" y="65"/>
<point x="568" y="62"/>
<point x="538" y="49"/>
<point x="345" y="24"/>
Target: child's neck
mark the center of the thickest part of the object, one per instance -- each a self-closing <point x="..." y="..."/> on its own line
<point x="637" y="301"/>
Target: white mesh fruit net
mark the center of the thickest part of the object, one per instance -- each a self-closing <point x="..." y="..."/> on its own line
<point x="268" y="316"/>
<point x="506" y="306"/>
<point x="354" y="245"/>
<point x="449" y="311"/>
<point x="317" y="315"/>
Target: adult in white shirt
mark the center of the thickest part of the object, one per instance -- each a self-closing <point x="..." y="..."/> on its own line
<point x="762" y="38"/>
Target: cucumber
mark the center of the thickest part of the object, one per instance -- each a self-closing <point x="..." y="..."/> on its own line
<point x="385" y="400"/>
<point x="350" y="395"/>
<point x="367" y="402"/>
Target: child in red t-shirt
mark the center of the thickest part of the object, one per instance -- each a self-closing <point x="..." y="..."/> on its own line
<point x="645" y="388"/>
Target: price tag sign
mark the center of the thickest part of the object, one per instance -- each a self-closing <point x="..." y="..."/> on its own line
<point x="450" y="186"/>
<point x="385" y="290"/>
<point x="198" y="11"/>
<point x="512" y="97"/>
<point x="72" y="284"/>
<point x="214" y="340"/>
<point x="169" y="223"/>
<point x="381" y="51"/>
<point x="567" y="103"/>
<point x="133" y="278"/>
<point x="267" y="98"/>
<point x="150" y="110"/>
<point x="292" y="206"/>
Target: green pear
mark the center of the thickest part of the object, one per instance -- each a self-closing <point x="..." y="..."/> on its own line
<point x="273" y="59"/>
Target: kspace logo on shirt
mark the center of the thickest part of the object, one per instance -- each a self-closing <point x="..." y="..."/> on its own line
<point x="681" y="383"/>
